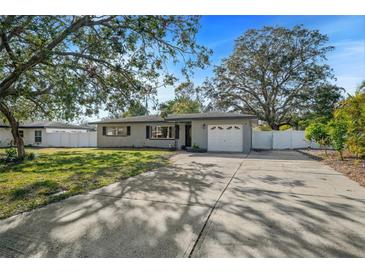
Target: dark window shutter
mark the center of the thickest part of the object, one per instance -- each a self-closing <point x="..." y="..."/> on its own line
<point x="128" y="130"/>
<point x="104" y="130"/>
<point x="177" y="132"/>
<point x="147" y="132"/>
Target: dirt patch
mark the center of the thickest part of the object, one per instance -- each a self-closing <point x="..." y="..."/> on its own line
<point x="352" y="167"/>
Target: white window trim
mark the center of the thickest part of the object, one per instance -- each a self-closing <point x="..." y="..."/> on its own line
<point x="40" y="136"/>
<point x="170" y="130"/>
<point x="115" y="131"/>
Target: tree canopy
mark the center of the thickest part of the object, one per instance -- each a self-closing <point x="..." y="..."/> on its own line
<point x="274" y="73"/>
<point x="66" y="66"/>
<point x="135" y="109"/>
<point x="181" y="104"/>
<point x="187" y="100"/>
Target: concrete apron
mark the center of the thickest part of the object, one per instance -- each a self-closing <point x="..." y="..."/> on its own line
<point x="279" y="204"/>
<point x="155" y="214"/>
<point x="277" y="207"/>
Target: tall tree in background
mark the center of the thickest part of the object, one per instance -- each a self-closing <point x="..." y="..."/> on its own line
<point x="273" y="73"/>
<point x="187" y="100"/>
<point x="181" y="104"/>
<point x="320" y="106"/>
<point x="65" y="66"/>
<point x="136" y="108"/>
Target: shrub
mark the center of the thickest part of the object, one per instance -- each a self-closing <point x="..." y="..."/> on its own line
<point x="11" y="154"/>
<point x="30" y="156"/>
<point x="352" y="112"/>
<point x="337" y="130"/>
<point x="265" y="127"/>
<point x="285" y="127"/>
<point x="195" y="146"/>
<point x="318" y="133"/>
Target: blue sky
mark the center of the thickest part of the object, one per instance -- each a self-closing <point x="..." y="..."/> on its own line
<point x="346" y="33"/>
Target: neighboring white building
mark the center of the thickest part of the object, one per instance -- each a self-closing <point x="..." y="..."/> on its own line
<point x="35" y="133"/>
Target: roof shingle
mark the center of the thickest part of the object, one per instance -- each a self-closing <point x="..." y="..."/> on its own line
<point x="47" y="124"/>
<point x="178" y="117"/>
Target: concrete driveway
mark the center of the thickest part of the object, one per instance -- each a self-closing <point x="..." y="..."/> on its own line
<point x="268" y="204"/>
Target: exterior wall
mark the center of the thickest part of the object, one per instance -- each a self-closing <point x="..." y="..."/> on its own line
<point x="29" y="136"/>
<point x="200" y="133"/>
<point x="5" y="137"/>
<point x="51" y="130"/>
<point x="138" y="136"/>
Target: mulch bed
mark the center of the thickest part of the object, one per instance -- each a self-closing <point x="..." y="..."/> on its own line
<point x="352" y="167"/>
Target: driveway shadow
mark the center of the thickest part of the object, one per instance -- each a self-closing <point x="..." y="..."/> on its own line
<point x="156" y="214"/>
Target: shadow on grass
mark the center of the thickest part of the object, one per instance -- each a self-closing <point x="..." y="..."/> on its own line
<point x="33" y="183"/>
<point x="39" y="188"/>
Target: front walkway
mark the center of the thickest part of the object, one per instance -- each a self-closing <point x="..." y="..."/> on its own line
<point x="275" y="204"/>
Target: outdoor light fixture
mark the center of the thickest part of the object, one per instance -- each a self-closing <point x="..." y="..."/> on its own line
<point x="204" y="126"/>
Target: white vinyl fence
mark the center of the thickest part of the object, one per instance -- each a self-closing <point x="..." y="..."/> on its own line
<point x="288" y="139"/>
<point x="70" y="139"/>
<point x="54" y="139"/>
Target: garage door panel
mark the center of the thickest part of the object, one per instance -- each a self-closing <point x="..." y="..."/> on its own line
<point x="225" y="138"/>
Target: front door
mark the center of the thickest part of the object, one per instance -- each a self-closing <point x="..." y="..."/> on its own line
<point x="188" y="135"/>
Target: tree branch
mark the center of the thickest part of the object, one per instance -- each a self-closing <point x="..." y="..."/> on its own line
<point x="39" y="56"/>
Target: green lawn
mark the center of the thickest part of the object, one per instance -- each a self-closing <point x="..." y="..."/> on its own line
<point x="56" y="174"/>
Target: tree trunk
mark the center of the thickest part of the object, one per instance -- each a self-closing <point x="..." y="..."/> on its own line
<point x="341" y="155"/>
<point x="18" y="141"/>
<point x="325" y="151"/>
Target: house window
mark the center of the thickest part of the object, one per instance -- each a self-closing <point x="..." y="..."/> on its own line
<point x="38" y="136"/>
<point x="116" y="131"/>
<point x="21" y="133"/>
<point x="162" y="132"/>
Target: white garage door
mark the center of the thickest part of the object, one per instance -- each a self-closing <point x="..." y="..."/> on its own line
<point x="225" y="138"/>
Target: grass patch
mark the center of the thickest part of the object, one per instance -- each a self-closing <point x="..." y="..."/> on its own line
<point x="56" y="174"/>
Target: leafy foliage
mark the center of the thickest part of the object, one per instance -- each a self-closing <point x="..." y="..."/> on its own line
<point x="285" y="127"/>
<point x="337" y="131"/>
<point x="180" y="105"/>
<point x="187" y="100"/>
<point x="352" y="112"/>
<point x="11" y="154"/>
<point x="320" y="107"/>
<point x="135" y="109"/>
<point x="67" y="66"/>
<point x="318" y="133"/>
<point x="71" y="65"/>
<point x="265" y="127"/>
<point x="274" y="73"/>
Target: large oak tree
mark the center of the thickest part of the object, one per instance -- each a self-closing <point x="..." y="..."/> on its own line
<point x="274" y="73"/>
<point x="66" y="66"/>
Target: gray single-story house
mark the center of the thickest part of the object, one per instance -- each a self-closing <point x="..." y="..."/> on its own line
<point x="213" y="131"/>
